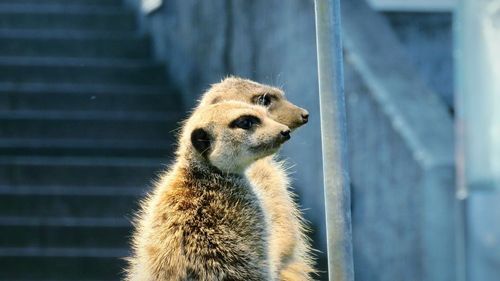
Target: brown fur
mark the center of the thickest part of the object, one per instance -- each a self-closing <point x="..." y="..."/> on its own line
<point x="244" y="90"/>
<point x="290" y="252"/>
<point x="203" y="221"/>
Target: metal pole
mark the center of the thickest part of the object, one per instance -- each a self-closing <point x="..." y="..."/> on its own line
<point x="477" y="35"/>
<point x="334" y="140"/>
<point x="461" y="185"/>
<point x="477" y="68"/>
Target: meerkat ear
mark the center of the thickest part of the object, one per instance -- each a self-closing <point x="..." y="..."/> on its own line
<point x="201" y="141"/>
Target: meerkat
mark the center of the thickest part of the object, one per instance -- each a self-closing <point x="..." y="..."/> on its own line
<point x="203" y="220"/>
<point x="291" y="255"/>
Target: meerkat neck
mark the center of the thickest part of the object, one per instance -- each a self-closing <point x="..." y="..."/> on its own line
<point x="196" y="162"/>
<point x="200" y="170"/>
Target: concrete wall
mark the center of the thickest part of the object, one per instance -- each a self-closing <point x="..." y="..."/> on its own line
<point x="203" y="41"/>
<point x="428" y="42"/>
<point x="400" y="134"/>
<point x="401" y="158"/>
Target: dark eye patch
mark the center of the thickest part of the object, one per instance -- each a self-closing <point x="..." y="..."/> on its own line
<point x="264" y="99"/>
<point x="245" y="122"/>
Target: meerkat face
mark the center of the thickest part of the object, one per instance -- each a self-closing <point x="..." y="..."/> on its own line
<point x="233" y="135"/>
<point x="271" y="98"/>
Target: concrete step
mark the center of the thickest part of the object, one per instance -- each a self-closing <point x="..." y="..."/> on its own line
<point x="80" y="171"/>
<point x="61" y="190"/>
<point x="59" y="70"/>
<point x="57" y="264"/>
<point x="64" y="232"/>
<point x="73" y="44"/>
<point x="69" y="16"/>
<point x="65" y="32"/>
<point x="89" y="147"/>
<point x="66" y="205"/>
<point x="65" y="97"/>
<point x="88" y="125"/>
<point x="104" y="3"/>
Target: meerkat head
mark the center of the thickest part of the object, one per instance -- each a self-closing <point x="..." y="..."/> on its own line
<point x="273" y="99"/>
<point x="231" y="135"/>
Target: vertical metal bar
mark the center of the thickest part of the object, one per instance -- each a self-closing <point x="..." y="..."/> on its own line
<point x="477" y="35"/>
<point x="461" y="186"/>
<point x="477" y="42"/>
<point x="334" y="140"/>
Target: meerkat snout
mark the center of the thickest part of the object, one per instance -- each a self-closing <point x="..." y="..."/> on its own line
<point x="281" y="133"/>
<point x="305" y="116"/>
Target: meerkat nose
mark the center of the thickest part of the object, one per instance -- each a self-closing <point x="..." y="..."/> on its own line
<point x="285" y="135"/>
<point x="305" y="117"/>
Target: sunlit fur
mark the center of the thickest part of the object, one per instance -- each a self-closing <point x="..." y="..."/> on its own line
<point x="290" y="252"/>
<point x="203" y="220"/>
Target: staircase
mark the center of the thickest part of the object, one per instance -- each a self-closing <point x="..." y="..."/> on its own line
<point x="86" y="120"/>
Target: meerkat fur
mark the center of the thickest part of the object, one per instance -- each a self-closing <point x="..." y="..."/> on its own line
<point x="203" y="220"/>
<point x="291" y="255"/>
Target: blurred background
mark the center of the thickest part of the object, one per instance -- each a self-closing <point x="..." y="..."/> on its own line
<point x="91" y="92"/>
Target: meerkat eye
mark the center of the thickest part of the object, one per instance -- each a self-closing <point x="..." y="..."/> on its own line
<point x="245" y="122"/>
<point x="264" y="100"/>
